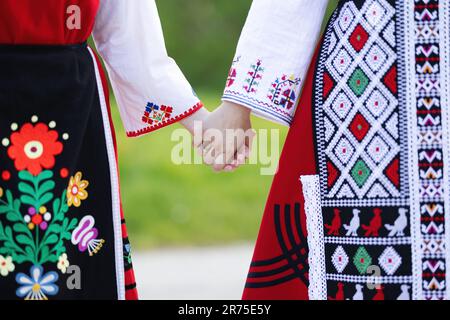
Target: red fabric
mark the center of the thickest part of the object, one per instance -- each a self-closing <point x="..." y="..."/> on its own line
<point x="297" y="159"/>
<point x="45" y="21"/>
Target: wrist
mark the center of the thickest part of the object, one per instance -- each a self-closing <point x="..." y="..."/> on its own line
<point x="238" y="109"/>
<point x="196" y="117"/>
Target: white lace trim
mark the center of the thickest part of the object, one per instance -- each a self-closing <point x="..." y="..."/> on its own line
<point x="317" y="289"/>
<point x="407" y="15"/>
<point x="115" y="194"/>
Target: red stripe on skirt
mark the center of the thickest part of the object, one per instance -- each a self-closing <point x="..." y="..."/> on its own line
<point x="130" y="280"/>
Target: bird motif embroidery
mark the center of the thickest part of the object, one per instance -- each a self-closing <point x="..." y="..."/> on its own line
<point x="405" y="293"/>
<point x="400" y="224"/>
<point x="375" y="224"/>
<point x="352" y="228"/>
<point x="339" y="294"/>
<point x="336" y="224"/>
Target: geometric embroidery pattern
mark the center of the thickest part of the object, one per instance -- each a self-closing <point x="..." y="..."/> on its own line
<point x="283" y="91"/>
<point x="430" y="135"/>
<point x="155" y="114"/>
<point x="360" y="127"/>
<point x="360" y="102"/>
<point x="390" y="260"/>
<point x="340" y="259"/>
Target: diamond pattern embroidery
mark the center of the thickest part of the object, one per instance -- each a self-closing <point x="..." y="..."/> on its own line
<point x="377" y="103"/>
<point x="358" y="82"/>
<point x="375" y="58"/>
<point x="377" y="149"/>
<point x="344" y="150"/>
<point x="340" y="259"/>
<point x="360" y="104"/>
<point x="342" y="61"/>
<point x="390" y="261"/>
<point x="359" y="127"/>
<point x="345" y="19"/>
<point x="342" y="105"/>
<point x="360" y="173"/>
<point x="362" y="260"/>
<point x="360" y="159"/>
<point x="359" y="38"/>
<point x="374" y="13"/>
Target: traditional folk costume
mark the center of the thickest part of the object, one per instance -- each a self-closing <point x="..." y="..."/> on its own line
<point x="360" y="206"/>
<point x="62" y="231"/>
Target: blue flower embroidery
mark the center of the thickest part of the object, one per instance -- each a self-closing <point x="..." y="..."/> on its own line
<point x="38" y="285"/>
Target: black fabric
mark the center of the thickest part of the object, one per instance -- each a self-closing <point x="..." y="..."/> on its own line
<point x="59" y="84"/>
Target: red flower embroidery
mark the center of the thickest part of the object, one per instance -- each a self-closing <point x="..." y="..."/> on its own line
<point x="34" y="148"/>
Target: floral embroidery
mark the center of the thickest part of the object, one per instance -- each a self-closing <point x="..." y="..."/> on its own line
<point x="38" y="227"/>
<point x="38" y="285"/>
<point x="34" y="148"/>
<point x="85" y="236"/>
<point x="155" y="114"/>
<point x="254" y="77"/>
<point x="39" y="219"/>
<point x="63" y="263"/>
<point x="76" y="191"/>
<point x="20" y="241"/>
<point x="283" y="92"/>
<point x="6" y="266"/>
<point x="233" y="73"/>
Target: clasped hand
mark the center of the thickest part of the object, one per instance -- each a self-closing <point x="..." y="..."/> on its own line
<point x="225" y="138"/>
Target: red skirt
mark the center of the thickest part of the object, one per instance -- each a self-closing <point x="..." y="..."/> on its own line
<point x="279" y="269"/>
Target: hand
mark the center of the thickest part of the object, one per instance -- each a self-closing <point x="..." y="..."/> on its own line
<point x="197" y="118"/>
<point x="227" y="137"/>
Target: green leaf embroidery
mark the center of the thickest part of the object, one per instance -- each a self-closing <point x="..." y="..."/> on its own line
<point x="36" y="189"/>
<point x="52" y="239"/>
<point x="40" y="246"/>
<point x="22" y="239"/>
<point x="46" y="187"/>
<point x="26" y="188"/>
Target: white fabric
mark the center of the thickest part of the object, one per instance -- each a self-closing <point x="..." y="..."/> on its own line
<point x="129" y="37"/>
<point x="282" y="35"/>
<point x="115" y="193"/>
<point x="317" y="289"/>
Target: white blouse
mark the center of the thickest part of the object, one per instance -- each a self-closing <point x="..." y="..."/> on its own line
<point x="150" y="89"/>
<point x="273" y="56"/>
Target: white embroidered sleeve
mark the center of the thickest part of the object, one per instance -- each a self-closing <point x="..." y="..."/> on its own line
<point x="273" y="56"/>
<point x="150" y="89"/>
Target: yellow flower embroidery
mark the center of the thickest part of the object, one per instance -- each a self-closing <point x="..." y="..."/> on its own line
<point x="76" y="192"/>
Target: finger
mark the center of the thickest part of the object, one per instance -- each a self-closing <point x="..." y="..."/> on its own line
<point x="244" y="151"/>
<point x="234" y="145"/>
<point x="209" y="156"/>
<point x="229" y="168"/>
<point x="197" y="140"/>
<point x="240" y="157"/>
<point x="219" y="162"/>
<point x="249" y="140"/>
<point x="205" y="145"/>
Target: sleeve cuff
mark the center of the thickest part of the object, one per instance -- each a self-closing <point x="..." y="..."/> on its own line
<point x="259" y="108"/>
<point x="157" y="117"/>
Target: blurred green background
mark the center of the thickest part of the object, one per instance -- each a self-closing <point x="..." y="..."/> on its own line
<point x="170" y="205"/>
